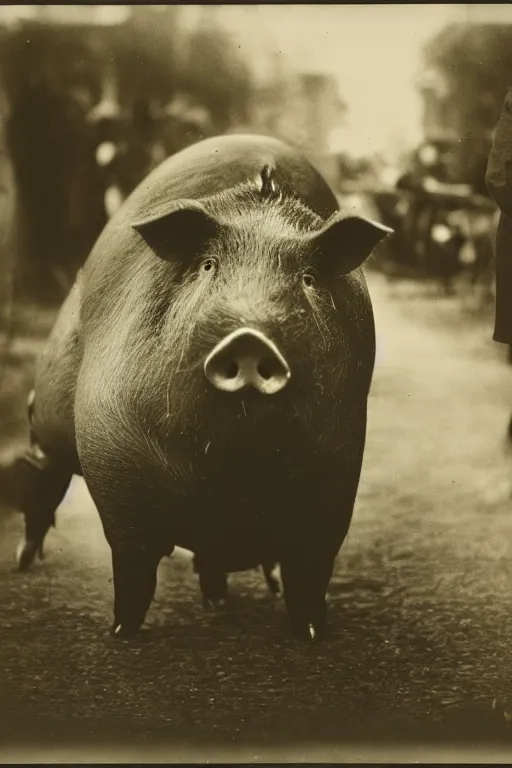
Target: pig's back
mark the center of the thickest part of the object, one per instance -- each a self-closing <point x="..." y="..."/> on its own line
<point x="220" y="163"/>
<point x="204" y="169"/>
<point x="121" y="268"/>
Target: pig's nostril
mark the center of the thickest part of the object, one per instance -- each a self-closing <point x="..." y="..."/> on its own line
<point x="232" y="370"/>
<point x="247" y="358"/>
<point x="266" y="368"/>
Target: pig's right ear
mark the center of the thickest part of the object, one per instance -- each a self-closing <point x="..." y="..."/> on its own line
<point x="182" y="229"/>
<point x="348" y="241"/>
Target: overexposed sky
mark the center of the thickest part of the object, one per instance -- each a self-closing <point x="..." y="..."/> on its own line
<point x="373" y="50"/>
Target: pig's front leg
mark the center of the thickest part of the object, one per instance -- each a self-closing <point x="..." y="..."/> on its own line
<point x="305" y="573"/>
<point x="137" y="545"/>
<point x="135" y="578"/>
<point x="138" y="540"/>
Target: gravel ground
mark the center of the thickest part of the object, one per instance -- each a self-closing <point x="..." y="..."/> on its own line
<point x="417" y="666"/>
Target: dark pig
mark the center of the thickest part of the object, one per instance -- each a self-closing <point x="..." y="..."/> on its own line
<point x="208" y="376"/>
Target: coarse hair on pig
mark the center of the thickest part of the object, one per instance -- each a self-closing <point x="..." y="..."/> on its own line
<point x="249" y="259"/>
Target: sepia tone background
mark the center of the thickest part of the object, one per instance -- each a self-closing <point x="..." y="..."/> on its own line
<point x="418" y="665"/>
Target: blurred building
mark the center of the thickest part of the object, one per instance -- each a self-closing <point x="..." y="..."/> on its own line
<point x="441" y="118"/>
<point x="311" y="111"/>
<point x="290" y="101"/>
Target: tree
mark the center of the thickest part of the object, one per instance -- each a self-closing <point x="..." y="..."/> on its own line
<point x="475" y="63"/>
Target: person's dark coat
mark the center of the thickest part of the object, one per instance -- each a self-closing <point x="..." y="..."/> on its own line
<point x="499" y="183"/>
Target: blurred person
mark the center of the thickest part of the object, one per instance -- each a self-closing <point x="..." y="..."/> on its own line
<point x="444" y="227"/>
<point x="498" y="180"/>
<point x="428" y="164"/>
<point x="184" y="122"/>
<point x="499" y="183"/>
<point x="48" y="142"/>
<point x="144" y="148"/>
<point x="107" y="139"/>
<point x="429" y="161"/>
<point x="479" y="171"/>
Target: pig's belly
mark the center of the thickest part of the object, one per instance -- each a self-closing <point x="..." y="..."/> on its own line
<point x="237" y="511"/>
<point x="231" y="548"/>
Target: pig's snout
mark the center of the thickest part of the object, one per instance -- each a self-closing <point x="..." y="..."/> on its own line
<point x="247" y="358"/>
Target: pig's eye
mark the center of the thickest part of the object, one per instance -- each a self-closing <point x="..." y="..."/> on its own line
<point x="208" y="265"/>
<point x="308" y="280"/>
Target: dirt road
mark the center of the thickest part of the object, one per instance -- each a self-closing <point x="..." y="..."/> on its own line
<point x="419" y="603"/>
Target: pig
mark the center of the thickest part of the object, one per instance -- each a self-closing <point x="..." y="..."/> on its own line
<point x="208" y="376"/>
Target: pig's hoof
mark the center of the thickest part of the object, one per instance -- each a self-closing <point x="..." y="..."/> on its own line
<point x="124" y="631"/>
<point x="308" y="632"/>
<point x="26" y="553"/>
<point x="316" y="632"/>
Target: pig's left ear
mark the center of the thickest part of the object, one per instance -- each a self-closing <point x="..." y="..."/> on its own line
<point x="348" y="241"/>
<point x="182" y="229"/>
